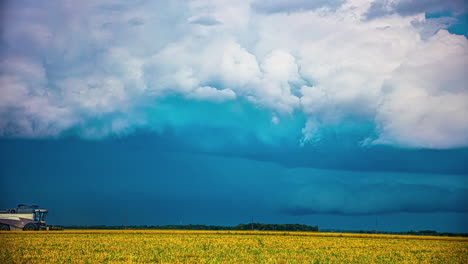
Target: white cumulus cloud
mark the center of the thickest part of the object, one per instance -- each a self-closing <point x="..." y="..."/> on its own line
<point x="65" y="65"/>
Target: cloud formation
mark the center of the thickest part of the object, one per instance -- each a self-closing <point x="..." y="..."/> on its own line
<point x="363" y="193"/>
<point x="411" y="7"/>
<point x="281" y="6"/>
<point x="191" y="185"/>
<point x="375" y="198"/>
<point x="98" y="68"/>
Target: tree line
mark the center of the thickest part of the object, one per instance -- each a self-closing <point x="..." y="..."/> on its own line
<point x="250" y="226"/>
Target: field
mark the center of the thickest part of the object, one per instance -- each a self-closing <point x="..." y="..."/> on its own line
<point x="165" y="246"/>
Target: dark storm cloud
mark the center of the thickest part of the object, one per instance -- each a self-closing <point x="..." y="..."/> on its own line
<point x="337" y="198"/>
<point x="149" y="172"/>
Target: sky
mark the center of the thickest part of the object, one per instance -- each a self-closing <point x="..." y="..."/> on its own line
<point x="346" y="114"/>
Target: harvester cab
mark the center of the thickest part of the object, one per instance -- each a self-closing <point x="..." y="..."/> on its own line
<point x="40" y="216"/>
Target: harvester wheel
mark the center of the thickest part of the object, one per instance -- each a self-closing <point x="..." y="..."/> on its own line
<point x="29" y="227"/>
<point x="4" y="227"/>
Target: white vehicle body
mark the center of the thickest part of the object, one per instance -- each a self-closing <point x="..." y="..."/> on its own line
<point x="24" y="217"/>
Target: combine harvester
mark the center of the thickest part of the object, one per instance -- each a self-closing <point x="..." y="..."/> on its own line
<point x="25" y="217"/>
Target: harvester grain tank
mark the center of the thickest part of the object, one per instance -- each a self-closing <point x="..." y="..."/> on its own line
<point x="24" y="217"/>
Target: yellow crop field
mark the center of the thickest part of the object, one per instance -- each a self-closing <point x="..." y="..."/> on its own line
<point x="168" y="246"/>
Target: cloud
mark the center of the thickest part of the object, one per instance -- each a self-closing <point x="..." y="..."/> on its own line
<point x="374" y="199"/>
<point x="211" y="180"/>
<point x="212" y="94"/>
<point x="277" y="6"/>
<point x="204" y="20"/>
<point x="115" y="60"/>
<point x="25" y="106"/>
<point x="352" y="193"/>
<point x="430" y="27"/>
<point x="411" y="7"/>
<point x="425" y="102"/>
<point x="362" y="59"/>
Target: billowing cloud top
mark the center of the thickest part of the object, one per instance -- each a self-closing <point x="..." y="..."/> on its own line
<point x="100" y="68"/>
